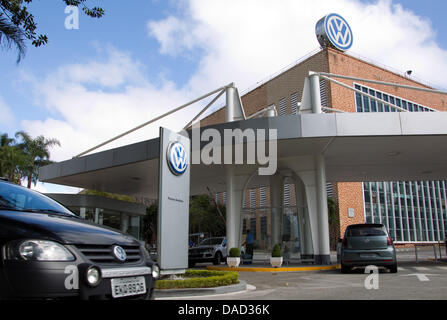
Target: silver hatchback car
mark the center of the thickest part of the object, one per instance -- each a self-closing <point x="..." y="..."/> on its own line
<point x="367" y="244"/>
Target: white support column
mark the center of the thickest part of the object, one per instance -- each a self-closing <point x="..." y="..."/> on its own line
<point x="315" y="93"/>
<point x="82" y="211"/>
<point x="304" y="221"/>
<point x="234" y="108"/>
<point x="97" y="212"/>
<point x="324" y="256"/>
<point x="276" y="196"/>
<point x="124" y="222"/>
<point x="305" y="169"/>
<point x="235" y="186"/>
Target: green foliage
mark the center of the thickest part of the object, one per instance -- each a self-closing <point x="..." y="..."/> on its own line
<point x="23" y="158"/>
<point x="334" y="222"/>
<point x="235" y="252"/>
<point x="17" y="24"/>
<point x="200" y="279"/>
<point x="121" y="197"/>
<point x="37" y="154"/>
<point x="204" y="216"/>
<point x="276" y="251"/>
<point x="150" y="223"/>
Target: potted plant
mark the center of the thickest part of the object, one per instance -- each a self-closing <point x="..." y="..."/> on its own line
<point x="276" y="258"/>
<point x="234" y="258"/>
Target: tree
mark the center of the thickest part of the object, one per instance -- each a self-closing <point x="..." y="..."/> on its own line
<point x="150" y="224"/>
<point x="37" y="154"/>
<point x="12" y="159"/>
<point x="204" y="216"/>
<point x="17" y="24"/>
<point x="334" y="222"/>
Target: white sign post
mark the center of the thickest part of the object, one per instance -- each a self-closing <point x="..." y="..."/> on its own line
<point x="173" y="202"/>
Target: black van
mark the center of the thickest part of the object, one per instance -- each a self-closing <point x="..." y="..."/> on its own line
<point x="49" y="252"/>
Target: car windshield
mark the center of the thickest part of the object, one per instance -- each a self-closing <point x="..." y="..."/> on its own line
<point x="365" y="231"/>
<point x="211" y="242"/>
<point x="16" y="198"/>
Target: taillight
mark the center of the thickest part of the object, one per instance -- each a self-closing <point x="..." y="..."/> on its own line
<point x="345" y="242"/>
<point x="389" y="241"/>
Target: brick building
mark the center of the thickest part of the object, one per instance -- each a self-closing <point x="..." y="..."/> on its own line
<point x="413" y="211"/>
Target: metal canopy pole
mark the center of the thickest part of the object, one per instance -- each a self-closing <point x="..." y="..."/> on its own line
<point x="204" y="109"/>
<point x="381" y="83"/>
<point x="152" y="121"/>
<point x="385" y="103"/>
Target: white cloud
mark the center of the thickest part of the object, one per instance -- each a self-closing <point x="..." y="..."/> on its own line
<point x="238" y="41"/>
<point x="84" y="114"/>
<point x="6" y="114"/>
<point x="245" y="41"/>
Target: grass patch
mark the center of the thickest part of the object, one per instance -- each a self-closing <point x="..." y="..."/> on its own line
<point x="200" y="279"/>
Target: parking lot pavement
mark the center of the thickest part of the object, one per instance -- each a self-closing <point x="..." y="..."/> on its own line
<point x="413" y="281"/>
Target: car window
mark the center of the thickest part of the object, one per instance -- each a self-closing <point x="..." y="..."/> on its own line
<point x="365" y="231"/>
<point x="16" y="198"/>
<point x="211" y="242"/>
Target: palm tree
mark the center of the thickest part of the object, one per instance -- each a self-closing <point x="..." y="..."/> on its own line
<point x="11" y="35"/>
<point x="11" y="162"/>
<point x="37" y="154"/>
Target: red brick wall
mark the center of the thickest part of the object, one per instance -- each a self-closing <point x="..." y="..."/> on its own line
<point x="350" y="194"/>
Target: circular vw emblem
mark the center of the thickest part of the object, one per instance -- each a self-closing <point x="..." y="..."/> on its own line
<point x="333" y="30"/>
<point x="177" y="158"/>
<point x="119" y="253"/>
<point x="338" y="31"/>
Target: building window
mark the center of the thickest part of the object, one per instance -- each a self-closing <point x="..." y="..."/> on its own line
<point x="263" y="197"/>
<point x="253" y="227"/>
<point x="413" y="211"/>
<point x="252" y="198"/>
<point x="294" y="102"/>
<point x="287" y="201"/>
<point x="263" y="227"/>
<point x="282" y="107"/>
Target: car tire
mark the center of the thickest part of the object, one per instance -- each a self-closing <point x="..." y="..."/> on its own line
<point x="217" y="258"/>
<point x="345" y="269"/>
<point x="393" y="269"/>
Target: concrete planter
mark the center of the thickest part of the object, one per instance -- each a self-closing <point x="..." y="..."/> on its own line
<point x="276" y="262"/>
<point x="233" y="262"/>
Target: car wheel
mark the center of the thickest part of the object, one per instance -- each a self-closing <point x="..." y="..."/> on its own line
<point x="345" y="269"/>
<point x="217" y="259"/>
<point x="393" y="269"/>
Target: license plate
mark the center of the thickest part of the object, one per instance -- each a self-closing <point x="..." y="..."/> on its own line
<point x="123" y="287"/>
<point x="368" y="256"/>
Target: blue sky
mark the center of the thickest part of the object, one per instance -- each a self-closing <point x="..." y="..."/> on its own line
<point x="146" y="57"/>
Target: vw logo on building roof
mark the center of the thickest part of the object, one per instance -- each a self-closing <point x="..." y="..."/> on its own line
<point x="177" y="158"/>
<point x="333" y="30"/>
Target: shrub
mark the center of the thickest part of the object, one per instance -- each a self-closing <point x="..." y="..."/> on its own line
<point x="200" y="279"/>
<point x="276" y="252"/>
<point x="235" y="252"/>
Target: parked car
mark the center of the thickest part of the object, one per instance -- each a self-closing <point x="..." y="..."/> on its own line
<point x="367" y="244"/>
<point x="209" y="250"/>
<point x="49" y="252"/>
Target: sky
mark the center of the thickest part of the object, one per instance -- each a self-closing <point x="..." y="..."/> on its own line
<point x="145" y="57"/>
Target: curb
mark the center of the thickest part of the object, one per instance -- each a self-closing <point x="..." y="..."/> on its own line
<point x="282" y="269"/>
<point x="172" y="293"/>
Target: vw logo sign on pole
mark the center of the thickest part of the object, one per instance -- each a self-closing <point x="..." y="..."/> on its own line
<point x="177" y="158"/>
<point x="334" y="31"/>
<point x="173" y="202"/>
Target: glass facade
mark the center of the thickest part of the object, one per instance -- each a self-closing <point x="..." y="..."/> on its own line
<point x="413" y="211"/>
